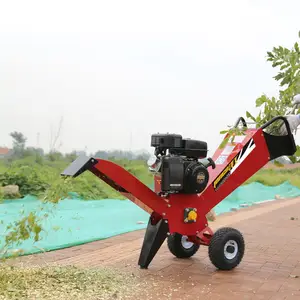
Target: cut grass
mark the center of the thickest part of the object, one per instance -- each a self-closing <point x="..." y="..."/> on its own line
<point x="66" y="283"/>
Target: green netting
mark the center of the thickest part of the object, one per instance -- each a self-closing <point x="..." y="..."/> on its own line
<point x="74" y="222"/>
<point x="254" y="193"/>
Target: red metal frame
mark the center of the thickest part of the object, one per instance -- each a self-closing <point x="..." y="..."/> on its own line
<point x="237" y="161"/>
<point x="172" y="207"/>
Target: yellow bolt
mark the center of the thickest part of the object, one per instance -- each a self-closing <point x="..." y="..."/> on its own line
<point x="192" y="216"/>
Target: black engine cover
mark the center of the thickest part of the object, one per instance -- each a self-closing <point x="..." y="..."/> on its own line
<point x="196" y="177"/>
<point x="178" y="146"/>
<point x="183" y="175"/>
<point x="172" y="171"/>
<point x="191" y="148"/>
<point x="166" y="141"/>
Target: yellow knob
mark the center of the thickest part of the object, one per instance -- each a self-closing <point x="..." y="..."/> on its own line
<point x="192" y="216"/>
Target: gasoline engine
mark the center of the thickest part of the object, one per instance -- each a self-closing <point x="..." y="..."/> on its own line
<point x="181" y="163"/>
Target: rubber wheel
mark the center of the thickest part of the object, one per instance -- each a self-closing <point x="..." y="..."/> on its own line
<point x="180" y="247"/>
<point x="226" y="248"/>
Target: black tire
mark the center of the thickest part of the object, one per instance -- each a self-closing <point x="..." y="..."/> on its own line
<point x="229" y="258"/>
<point x="177" y="247"/>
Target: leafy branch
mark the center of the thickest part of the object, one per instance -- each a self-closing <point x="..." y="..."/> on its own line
<point x="231" y="133"/>
<point x="288" y="77"/>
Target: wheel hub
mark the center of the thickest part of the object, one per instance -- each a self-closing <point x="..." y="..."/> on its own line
<point x="186" y="243"/>
<point x="231" y="249"/>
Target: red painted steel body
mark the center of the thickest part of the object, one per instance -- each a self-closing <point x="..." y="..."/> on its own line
<point x="172" y="207"/>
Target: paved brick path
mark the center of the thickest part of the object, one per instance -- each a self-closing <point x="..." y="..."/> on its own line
<point x="269" y="269"/>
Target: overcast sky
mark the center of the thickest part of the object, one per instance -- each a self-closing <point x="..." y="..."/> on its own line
<point x="116" y="69"/>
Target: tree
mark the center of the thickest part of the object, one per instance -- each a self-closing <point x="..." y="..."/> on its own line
<point x="54" y="155"/>
<point x="54" y="137"/>
<point x="101" y="154"/>
<point x="288" y="77"/>
<point x="19" y="141"/>
<point x="70" y="157"/>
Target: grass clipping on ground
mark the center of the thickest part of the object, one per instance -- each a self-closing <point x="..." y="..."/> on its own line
<point x="65" y="283"/>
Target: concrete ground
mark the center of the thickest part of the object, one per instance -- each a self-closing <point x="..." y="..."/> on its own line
<point x="270" y="268"/>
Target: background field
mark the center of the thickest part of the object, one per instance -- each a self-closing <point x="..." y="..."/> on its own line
<point x="41" y="177"/>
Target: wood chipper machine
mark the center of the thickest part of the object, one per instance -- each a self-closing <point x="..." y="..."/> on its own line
<point x="188" y="185"/>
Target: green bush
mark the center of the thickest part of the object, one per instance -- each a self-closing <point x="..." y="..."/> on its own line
<point x="29" y="180"/>
<point x="42" y="178"/>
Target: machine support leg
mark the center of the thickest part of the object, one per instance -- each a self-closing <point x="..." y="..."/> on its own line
<point x="154" y="237"/>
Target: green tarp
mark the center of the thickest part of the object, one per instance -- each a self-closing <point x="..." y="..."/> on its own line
<point x="73" y="222"/>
